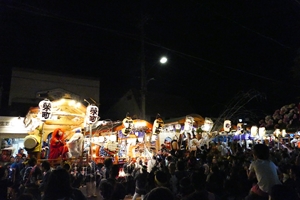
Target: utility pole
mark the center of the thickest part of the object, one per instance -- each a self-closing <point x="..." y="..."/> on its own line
<point x="143" y="71"/>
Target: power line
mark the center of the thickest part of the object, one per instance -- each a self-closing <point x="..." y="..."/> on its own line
<point x="153" y="43"/>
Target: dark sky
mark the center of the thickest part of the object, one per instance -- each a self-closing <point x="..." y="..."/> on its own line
<point x="217" y="49"/>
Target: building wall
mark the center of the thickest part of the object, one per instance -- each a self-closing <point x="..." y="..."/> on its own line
<point x="26" y="83"/>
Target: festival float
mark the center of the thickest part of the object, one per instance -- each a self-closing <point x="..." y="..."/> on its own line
<point x="57" y="129"/>
<point x="184" y="134"/>
<point x="122" y="140"/>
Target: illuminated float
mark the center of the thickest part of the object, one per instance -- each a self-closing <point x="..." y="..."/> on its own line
<point x="56" y="129"/>
<point x="122" y="140"/>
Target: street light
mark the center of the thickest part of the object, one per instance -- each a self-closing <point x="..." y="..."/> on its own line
<point x="163" y="60"/>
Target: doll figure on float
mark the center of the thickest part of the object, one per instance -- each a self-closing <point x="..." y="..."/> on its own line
<point x="58" y="146"/>
<point x="75" y="145"/>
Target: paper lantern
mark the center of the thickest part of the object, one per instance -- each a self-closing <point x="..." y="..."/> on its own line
<point x="208" y="124"/>
<point x="227" y="125"/>
<point x="253" y="131"/>
<point x="262" y="132"/>
<point x="45" y="109"/>
<point x="188" y="124"/>
<point x="128" y="124"/>
<point x="153" y="138"/>
<point x="177" y="126"/>
<point x="91" y="114"/>
<point x="239" y="127"/>
<point x="157" y="125"/>
<point x="283" y="132"/>
<point x="277" y="132"/>
<point x="101" y="139"/>
<point x="113" y="138"/>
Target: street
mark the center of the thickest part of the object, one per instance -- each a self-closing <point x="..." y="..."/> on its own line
<point x="98" y="197"/>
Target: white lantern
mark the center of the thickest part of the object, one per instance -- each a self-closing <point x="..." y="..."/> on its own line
<point x="277" y="132"/>
<point x="188" y="124"/>
<point x="253" y="131"/>
<point x="101" y="139"/>
<point x="113" y="138"/>
<point x="91" y="114"/>
<point x="283" y="132"/>
<point x="153" y="138"/>
<point x="262" y="132"/>
<point x="239" y="127"/>
<point x="177" y="126"/>
<point x="140" y="139"/>
<point x="158" y="124"/>
<point x="227" y="125"/>
<point x="208" y="124"/>
<point x="45" y="109"/>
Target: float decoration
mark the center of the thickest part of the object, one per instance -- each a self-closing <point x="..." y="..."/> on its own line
<point x="44" y="121"/>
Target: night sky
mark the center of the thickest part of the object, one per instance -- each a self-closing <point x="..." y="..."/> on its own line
<point x="219" y="51"/>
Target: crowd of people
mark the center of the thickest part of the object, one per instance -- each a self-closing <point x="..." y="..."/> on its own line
<point x="259" y="172"/>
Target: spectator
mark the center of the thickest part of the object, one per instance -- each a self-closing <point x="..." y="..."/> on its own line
<point x="185" y="188"/>
<point x="32" y="176"/>
<point x="281" y="192"/>
<point x="198" y="180"/>
<point x="264" y="170"/>
<point x="160" y="193"/>
<point x="59" y="187"/>
<point x="4" y="184"/>
<point x="141" y="184"/>
<point x="106" y="190"/>
<point x="46" y="173"/>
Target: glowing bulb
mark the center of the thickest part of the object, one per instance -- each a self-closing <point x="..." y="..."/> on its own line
<point x="78" y="104"/>
<point x="163" y="60"/>
<point x="72" y="103"/>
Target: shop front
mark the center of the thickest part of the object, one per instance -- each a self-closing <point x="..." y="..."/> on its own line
<point x="12" y="134"/>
